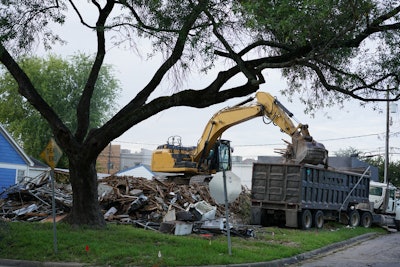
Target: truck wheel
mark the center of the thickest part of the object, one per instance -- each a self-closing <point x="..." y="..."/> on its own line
<point x="354" y="218"/>
<point x="305" y="219"/>
<point x="319" y="219"/>
<point x="366" y="219"/>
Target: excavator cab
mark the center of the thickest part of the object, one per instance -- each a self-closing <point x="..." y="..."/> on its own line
<point x="219" y="158"/>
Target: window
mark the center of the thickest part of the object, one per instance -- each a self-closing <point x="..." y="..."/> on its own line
<point x="20" y="175"/>
<point x="377" y="191"/>
<point x="392" y="193"/>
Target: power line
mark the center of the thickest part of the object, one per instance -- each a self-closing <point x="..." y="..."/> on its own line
<point x="272" y="144"/>
<point x="349" y="137"/>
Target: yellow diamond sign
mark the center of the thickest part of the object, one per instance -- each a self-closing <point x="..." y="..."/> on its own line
<point x="51" y="154"/>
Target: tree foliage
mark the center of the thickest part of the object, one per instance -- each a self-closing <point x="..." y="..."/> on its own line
<point x="335" y="50"/>
<point x="348" y="152"/>
<point x="379" y="161"/>
<point x="329" y="51"/>
<point x="59" y="82"/>
<point x="393" y="169"/>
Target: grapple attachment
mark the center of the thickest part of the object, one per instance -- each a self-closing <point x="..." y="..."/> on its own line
<point x="310" y="152"/>
<point x="306" y="151"/>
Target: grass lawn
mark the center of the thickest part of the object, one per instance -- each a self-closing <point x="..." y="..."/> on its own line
<point x="126" y="245"/>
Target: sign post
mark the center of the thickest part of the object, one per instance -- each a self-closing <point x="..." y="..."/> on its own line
<point x="228" y="228"/>
<point x="51" y="155"/>
<point x="225" y="187"/>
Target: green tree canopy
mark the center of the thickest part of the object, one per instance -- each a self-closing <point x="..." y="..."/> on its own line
<point x="59" y="81"/>
<point x="335" y="50"/>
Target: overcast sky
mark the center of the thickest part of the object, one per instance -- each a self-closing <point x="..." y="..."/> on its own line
<point x="353" y="126"/>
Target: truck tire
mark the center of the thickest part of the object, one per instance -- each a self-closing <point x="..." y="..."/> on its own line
<point x="354" y="218"/>
<point x="366" y="219"/>
<point x="319" y="219"/>
<point x="305" y="219"/>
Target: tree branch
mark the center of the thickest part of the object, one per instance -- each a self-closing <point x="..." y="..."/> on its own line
<point x="232" y="54"/>
<point x="374" y="27"/>
<point x="348" y="92"/>
<point x="83" y="109"/>
<point x="80" y="15"/>
<point x="133" y="107"/>
<point x="194" y="98"/>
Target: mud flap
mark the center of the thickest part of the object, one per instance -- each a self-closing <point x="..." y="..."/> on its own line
<point x="291" y="218"/>
<point x="256" y="215"/>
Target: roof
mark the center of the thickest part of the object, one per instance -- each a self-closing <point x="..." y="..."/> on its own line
<point x="16" y="147"/>
<point x="140" y="170"/>
<point x="38" y="164"/>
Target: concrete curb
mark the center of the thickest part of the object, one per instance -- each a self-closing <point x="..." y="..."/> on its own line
<point x="304" y="256"/>
<point x="24" y="263"/>
<point x="275" y="263"/>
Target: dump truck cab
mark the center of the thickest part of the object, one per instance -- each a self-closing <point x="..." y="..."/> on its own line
<point x="383" y="197"/>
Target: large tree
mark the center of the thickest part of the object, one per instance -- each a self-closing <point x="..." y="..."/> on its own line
<point x="60" y="82"/>
<point x="323" y="47"/>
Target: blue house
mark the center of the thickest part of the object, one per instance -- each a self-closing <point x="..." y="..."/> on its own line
<point x="15" y="165"/>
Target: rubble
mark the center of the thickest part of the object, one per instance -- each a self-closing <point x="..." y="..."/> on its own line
<point x="151" y="204"/>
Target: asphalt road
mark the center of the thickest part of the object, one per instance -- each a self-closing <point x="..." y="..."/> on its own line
<point x="382" y="251"/>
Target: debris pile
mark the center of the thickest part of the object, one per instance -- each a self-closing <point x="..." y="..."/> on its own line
<point x="152" y="199"/>
<point x="31" y="200"/>
<point x="153" y="203"/>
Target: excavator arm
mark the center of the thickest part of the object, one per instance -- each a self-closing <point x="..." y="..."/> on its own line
<point x="173" y="157"/>
<point x="303" y="148"/>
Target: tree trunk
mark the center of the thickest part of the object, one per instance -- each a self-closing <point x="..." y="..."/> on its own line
<point x="85" y="207"/>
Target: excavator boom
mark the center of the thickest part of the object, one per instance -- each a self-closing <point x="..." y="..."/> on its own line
<point x="203" y="157"/>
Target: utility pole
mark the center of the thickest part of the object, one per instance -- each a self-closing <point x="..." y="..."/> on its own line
<point x="386" y="166"/>
<point x="390" y="108"/>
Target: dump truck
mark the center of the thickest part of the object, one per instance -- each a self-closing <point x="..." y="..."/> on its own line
<point x="212" y="154"/>
<point x="305" y="196"/>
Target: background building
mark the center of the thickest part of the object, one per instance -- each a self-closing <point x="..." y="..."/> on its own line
<point x="109" y="160"/>
<point x="113" y="159"/>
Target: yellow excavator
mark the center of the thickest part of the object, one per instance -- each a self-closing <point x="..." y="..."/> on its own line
<point x="213" y="154"/>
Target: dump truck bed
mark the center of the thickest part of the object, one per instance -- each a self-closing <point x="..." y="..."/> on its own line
<point x="288" y="186"/>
